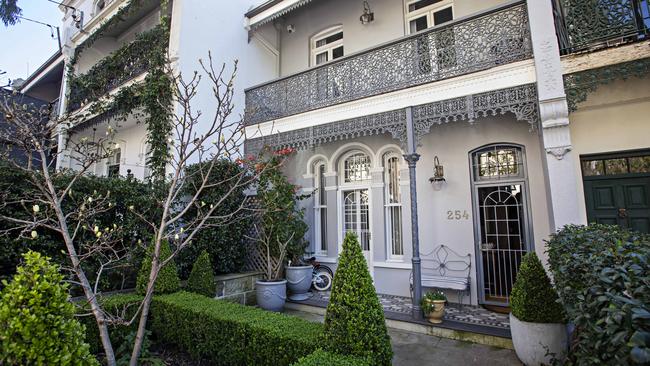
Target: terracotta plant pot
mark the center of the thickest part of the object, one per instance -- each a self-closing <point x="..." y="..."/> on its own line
<point x="435" y="316"/>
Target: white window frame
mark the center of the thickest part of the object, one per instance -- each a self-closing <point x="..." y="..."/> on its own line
<point x="320" y="208"/>
<point x="390" y="255"/>
<point x="329" y="48"/>
<point x="428" y="11"/>
<point x="114" y="160"/>
<point x="345" y="157"/>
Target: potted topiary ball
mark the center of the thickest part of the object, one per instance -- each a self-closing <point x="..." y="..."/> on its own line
<point x="433" y="306"/>
<point x="537" y="318"/>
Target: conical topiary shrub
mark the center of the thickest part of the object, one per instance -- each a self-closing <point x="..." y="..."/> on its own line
<point x="37" y="322"/>
<point x="533" y="298"/>
<point x="354" y="322"/>
<point x="167" y="281"/>
<point x="201" y="280"/>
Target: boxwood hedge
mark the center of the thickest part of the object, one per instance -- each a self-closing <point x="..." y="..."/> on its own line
<point x="601" y="274"/>
<point x="231" y="334"/>
<point x="323" y="358"/>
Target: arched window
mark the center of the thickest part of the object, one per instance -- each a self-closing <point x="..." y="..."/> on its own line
<point x="393" y="207"/>
<point x="320" y="208"/>
<point x="113" y="169"/>
<point x="327" y="45"/>
<point x="356" y="168"/>
<point x="99" y="6"/>
<point x="501" y="218"/>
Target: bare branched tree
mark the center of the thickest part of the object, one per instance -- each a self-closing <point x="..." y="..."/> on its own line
<point x="33" y="147"/>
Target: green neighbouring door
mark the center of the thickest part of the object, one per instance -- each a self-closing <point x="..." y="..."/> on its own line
<point x="617" y="189"/>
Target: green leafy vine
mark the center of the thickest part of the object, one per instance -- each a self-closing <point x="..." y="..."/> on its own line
<point x="151" y="98"/>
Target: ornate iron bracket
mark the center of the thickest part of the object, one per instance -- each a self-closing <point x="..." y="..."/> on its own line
<point x="578" y="85"/>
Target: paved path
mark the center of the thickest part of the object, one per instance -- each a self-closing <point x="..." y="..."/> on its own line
<point x="421" y="350"/>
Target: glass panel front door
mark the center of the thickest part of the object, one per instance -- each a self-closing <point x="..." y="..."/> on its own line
<point x="356" y="218"/>
<point x="503" y="240"/>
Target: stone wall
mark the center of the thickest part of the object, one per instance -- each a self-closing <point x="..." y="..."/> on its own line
<point x="238" y="287"/>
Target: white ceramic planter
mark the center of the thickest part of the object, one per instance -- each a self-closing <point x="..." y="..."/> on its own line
<point x="533" y="341"/>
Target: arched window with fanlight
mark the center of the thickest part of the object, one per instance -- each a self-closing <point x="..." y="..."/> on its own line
<point x="355" y="198"/>
<point x="501" y="218"/>
<point x="393" y="206"/>
<point x="320" y="208"/>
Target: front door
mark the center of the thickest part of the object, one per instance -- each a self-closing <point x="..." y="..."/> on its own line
<point x="617" y="189"/>
<point x="356" y="219"/>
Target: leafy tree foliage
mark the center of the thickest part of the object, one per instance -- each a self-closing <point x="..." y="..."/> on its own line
<point x="601" y="273"/>
<point x="167" y="281"/>
<point x="37" y="323"/>
<point x="354" y="321"/>
<point x="533" y="298"/>
<point x="279" y="199"/>
<point x="201" y="279"/>
<point x="9" y="12"/>
<point x="223" y="239"/>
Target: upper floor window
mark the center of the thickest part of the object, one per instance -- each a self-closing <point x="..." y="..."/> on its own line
<point x="99" y="6"/>
<point x="327" y="45"/>
<point x="356" y="168"/>
<point x="423" y="14"/>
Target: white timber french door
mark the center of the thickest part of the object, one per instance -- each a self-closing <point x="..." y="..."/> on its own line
<point x="356" y="219"/>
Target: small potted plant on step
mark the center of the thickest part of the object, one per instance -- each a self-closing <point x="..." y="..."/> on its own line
<point x="433" y="306"/>
<point x="537" y="318"/>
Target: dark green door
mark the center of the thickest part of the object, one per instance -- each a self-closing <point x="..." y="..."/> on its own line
<point x="617" y="189"/>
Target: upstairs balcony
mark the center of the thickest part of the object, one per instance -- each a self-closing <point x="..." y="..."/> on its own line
<point x="466" y="45"/>
<point x="587" y="25"/>
<point x="121" y="66"/>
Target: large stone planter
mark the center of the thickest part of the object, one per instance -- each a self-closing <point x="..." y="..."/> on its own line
<point x="533" y="341"/>
<point x="299" y="281"/>
<point x="271" y="295"/>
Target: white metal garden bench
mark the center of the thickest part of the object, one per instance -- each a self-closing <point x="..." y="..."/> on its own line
<point x="443" y="268"/>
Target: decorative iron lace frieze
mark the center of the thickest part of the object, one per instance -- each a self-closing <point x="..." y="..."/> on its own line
<point x="578" y="85"/>
<point x="519" y="100"/>
<point x="391" y="122"/>
<point x="478" y="43"/>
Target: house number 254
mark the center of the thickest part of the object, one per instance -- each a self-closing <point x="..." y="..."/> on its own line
<point x="457" y="215"/>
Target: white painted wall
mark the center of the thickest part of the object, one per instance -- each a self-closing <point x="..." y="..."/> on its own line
<point x="199" y="27"/>
<point x="614" y="118"/>
<point x="389" y="24"/>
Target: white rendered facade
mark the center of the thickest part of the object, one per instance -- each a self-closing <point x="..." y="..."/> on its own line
<point x="278" y="41"/>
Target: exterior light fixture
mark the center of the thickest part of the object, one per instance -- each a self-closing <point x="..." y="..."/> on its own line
<point x="368" y="16"/>
<point x="438" y="178"/>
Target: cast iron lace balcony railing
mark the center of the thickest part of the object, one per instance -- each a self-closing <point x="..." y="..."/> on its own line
<point x="466" y="45"/>
<point x="590" y="24"/>
<point x="114" y="70"/>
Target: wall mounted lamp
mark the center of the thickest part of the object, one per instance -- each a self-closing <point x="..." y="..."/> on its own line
<point x="438" y="178"/>
<point x="368" y="16"/>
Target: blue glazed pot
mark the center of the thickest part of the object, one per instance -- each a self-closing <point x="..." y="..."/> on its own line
<point x="299" y="281"/>
<point x="271" y="295"/>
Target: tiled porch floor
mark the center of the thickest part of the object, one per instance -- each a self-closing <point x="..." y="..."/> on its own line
<point x="467" y="317"/>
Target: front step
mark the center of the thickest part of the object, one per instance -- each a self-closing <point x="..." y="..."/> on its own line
<point x="448" y="329"/>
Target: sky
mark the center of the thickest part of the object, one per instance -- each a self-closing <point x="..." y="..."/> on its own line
<point x="26" y="45"/>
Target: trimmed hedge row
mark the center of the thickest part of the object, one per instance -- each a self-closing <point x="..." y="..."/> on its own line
<point x="231" y="334"/>
<point x="601" y="274"/>
<point x="322" y="358"/>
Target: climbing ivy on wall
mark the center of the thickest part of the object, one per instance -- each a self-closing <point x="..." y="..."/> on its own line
<point x="153" y="96"/>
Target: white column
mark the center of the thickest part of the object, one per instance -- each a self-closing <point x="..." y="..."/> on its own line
<point x="561" y="178"/>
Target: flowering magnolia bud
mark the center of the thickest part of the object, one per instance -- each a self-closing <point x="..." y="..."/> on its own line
<point x="96" y="228"/>
<point x="176" y="237"/>
<point x="35" y="208"/>
<point x="131" y="208"/>
<point x="34" y="234"/>
<point x="98" y="234"/>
